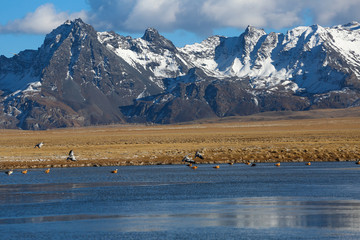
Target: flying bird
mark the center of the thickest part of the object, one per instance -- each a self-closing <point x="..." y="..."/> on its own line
<point x="198" y="154"/>
<point x="188" y="159"/>
<point x="39" y="145"/>
<point x="71" y="156"/>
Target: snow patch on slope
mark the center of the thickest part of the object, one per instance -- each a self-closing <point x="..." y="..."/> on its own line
<point x="12" y="82"/>
<point x="161" y="65"/>
<point x="296" y="60"/>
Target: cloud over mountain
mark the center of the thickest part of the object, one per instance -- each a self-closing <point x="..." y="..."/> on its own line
<point x="203" y="16"/>
<point x="41" y="21"/>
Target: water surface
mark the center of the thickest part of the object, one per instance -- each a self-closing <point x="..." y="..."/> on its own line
<point x="293" y="201"/>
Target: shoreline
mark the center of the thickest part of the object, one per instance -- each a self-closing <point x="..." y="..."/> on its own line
<point x="16" y="166"/>
<point x="305" y="140"/>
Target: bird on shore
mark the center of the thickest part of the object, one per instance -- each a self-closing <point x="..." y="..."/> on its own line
<point x="39" y="145"/>
<point x="9" y="172"/>
<point x="71" y="156"/>
<point x="47" y="170"/>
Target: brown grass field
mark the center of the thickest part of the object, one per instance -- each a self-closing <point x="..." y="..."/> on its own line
<point x="266" y="139"/>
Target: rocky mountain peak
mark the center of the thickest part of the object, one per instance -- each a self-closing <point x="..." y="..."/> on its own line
<point x="354" y="25"/>
<point x="251" y="30"/>
<point x="76" y="27"/>
<point x="152" y="36"/>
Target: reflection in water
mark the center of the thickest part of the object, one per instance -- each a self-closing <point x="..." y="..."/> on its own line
<point x="285" y="212"/>
<point x="255" y="213"/>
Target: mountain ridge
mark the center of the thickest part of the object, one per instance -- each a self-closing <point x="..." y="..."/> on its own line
<point x="81" y="77"/>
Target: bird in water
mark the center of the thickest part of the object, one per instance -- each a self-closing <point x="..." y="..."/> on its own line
<point x="39" y="145"/>
<point x="47" y="170"/>
<point x="71" y="156"/>
<point x="24" y="171"/>
<point x="114" y="171"/>
<point x="9" y="172"/>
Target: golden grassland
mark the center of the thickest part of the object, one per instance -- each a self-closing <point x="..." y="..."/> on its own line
<point x="328" y="139"/>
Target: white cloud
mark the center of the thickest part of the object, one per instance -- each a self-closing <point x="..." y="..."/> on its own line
<point x="144" y="12"/>
<point x="259" y="13"/>
<point x="333" y="12"/>
<point x="41" y="21"/>
<point x="201" y="17"/>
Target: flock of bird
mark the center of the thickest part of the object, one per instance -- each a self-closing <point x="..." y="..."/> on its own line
<point x="71" y="157"/>
<point x="187" y="159"/>
<point x="191" y="161"/>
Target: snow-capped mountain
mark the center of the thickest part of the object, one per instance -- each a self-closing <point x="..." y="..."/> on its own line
<point x="83" y="77"/>
<point x="306" y="58"/>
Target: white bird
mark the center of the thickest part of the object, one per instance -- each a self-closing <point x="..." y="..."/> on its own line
<point x="39" y="145"/>
<point x="188" y="159"/>
<point x="71" y="156"/>
<point x="9" y="172"/>
<point x="197" y="154"/>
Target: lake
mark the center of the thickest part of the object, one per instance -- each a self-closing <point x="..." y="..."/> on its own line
<point x="293" y="201"/>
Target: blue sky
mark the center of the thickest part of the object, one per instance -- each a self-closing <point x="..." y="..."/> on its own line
<point x="24" y="23"/>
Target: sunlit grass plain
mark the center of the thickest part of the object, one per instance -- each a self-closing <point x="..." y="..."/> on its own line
<point x="233" y="141"/>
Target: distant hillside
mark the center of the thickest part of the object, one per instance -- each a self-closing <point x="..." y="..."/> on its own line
<point x="288" y="115"/>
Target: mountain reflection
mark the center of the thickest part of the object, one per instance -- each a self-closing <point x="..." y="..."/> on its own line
<point x="282" y="212"/>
